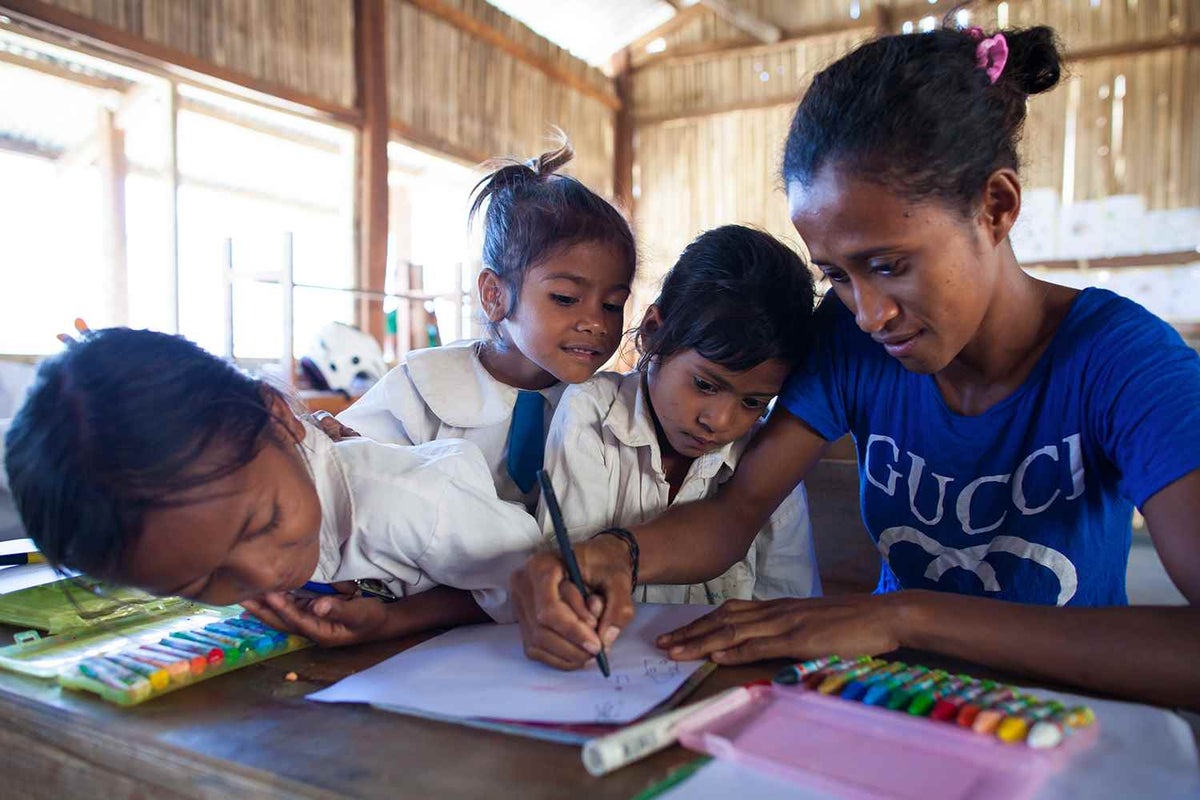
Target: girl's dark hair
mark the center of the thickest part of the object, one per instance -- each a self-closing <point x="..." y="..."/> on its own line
<point x="114" y="427"/>
<point x="737" y="296"/>
<point x="534" y="213"/>
<point x="917" y="115"/>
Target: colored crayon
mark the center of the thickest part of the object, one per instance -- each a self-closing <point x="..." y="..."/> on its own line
<point x="197" y="663"/>
<point x="834" y="683"/>
<point x="229" y="653"/>
<point x="922" y="702"/>
<point x="858" y="688"/>
<point x="260" y="642"/>
<point x="1014" y="728"/>
<point x="213" y="655"/>
<point x="903" y="695"/>
<point x="1052" y="731"/>
<point x="815" y="679"/>
<point x="115" y="676"/>
<point x="966" y="715"/>
<point x="251" y="624"/>
<point x="989" y="719"/>
<point x="947" y="708"/>
<point x="878" y="693"/>
<point x="794" y="673"/>
<point x="240" y="643"/>
<point x="159" y="678"/>
<point x="179" y="670"/>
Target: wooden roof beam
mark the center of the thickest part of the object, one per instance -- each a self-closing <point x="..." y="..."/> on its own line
<point x="743" y="20"/>
<point x="486" y="33"/>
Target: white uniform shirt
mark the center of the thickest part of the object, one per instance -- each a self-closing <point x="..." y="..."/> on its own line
<point x="415" y="517"/>
<point x="606" y="466"/>
<point x="445" y="393"/>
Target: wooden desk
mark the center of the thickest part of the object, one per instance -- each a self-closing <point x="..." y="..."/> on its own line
<point x="252" y="734"/>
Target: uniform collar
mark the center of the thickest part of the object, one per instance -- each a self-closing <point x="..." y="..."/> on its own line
<point x="460" y="391"/>
<point x="333" y="492"/>
<point x="631" y="421"/>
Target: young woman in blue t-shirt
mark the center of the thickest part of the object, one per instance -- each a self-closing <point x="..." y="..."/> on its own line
<point x="1005" y="426"/>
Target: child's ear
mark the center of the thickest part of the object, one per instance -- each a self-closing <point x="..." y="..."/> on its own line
<point x="493" y="296"/>
<point x="652" y="320"/>
<point x="282" y="415"/>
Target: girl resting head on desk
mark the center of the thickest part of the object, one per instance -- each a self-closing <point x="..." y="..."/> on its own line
<point x="1006" y="427"/>
<point x="140" y="458"/>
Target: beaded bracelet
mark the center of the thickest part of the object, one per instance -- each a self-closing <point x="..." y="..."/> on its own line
<point x="630" y="542"/>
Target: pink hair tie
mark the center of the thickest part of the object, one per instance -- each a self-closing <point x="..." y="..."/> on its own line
<point x="991" y="53"/>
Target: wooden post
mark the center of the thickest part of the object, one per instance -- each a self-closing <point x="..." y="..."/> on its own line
<point x="623" y="154"/>
<point x="370" y="55"/>
<point x="113" y="169"/>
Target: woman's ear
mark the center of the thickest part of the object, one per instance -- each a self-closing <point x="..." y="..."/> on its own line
<point x="1001" y="204"/>
<point x="493" y="296"/>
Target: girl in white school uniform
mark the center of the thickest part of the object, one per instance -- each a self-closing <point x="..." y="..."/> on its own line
<point x="729" y="325"/>
<point x="558" y="264"/>
<point x="203" y="484"/>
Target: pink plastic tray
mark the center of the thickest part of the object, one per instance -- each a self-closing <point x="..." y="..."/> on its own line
<point x="860" y="751"/>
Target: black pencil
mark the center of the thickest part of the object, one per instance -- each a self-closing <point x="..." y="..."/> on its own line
<point x="568" y="555"/>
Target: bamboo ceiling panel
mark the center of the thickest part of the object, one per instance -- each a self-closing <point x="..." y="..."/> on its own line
<point x="305" y="45"/>
<point x="454" y="88"/>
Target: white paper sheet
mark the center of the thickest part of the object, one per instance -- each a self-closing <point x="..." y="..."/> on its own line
<point x="482" y="671"/>
<point x="1141" y="752"/>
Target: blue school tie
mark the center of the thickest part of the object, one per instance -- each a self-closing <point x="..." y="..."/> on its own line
<point x="526" y="439"/>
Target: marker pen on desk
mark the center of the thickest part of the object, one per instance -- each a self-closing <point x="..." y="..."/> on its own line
<point x="607" y="753"/>
<point x="16" y="559"/>
<point x="568" y="555"/>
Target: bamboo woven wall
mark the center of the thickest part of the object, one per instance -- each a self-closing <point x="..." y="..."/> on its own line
<point x="758" y="75"/>
<point x="701" y="172"/>
<point x="451" y="87"/>
<point x="703" y="164"/>
<point x="304" y="45"/>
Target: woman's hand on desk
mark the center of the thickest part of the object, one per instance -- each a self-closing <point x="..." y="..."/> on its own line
<point x="556" y="627"/>
<point x="328" y="621"/>
<point x="741" y="631"/>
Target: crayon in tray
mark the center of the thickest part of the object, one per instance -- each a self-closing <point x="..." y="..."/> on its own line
<point x="128" y="664"/>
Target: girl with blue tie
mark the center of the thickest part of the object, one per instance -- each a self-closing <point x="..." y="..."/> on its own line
<point x="558" y="266"/>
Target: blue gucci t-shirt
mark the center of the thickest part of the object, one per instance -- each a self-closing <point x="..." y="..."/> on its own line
<point x="1032" y="500"/>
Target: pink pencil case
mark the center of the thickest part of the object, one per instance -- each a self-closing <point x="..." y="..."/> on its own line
<point x="860" y="751"/>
